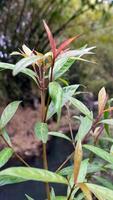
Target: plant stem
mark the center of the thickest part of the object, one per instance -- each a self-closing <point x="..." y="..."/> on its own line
<point x="16" y="154"/>
<point x="43" y="118"/>
<point x="69" y="197"/>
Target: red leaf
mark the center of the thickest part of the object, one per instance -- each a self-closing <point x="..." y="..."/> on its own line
<point x="51" y="39"/>
<point x="66" y="44"/>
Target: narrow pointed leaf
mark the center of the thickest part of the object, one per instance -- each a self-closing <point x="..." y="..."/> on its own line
<point x="41" y="131"/>
<point x="107" y="121"/>
<point x="26" y="50"/>
<point x="52" y="195"/>
<point x="104" y="182"/>
<point x="77" y="160"/>
<point x="5" y="155"/>
<point x="83" y="171"/>
<point x="25" y="62"/>
<point x="51" y="39"/>
<point x="100" y="152"/>
<point x="8" y="113"/>
<point x="61" y="135"/>
<point x="66" y="43"/>
<point x="6" y="137"/>
<point x="22" y="174"/>
<point x="80" y="106"/>
<point x="84" y="128"/>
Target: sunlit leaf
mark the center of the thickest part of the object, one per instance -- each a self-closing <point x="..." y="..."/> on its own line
<point x="8" y="113"/>
<point x="100" y="152"/>
<point x="102" y="99"/>
<point x="26" y="50"/>
<point x="41" y="131"/>
<point x="5" y="155"/>
<point x="102" y="193"/>
<point x="77" y="160"/>
<point x="58" y="134"/>
<point x="66" y="171"/>
<point x="83" y="171"/>
<point x="22" y="174"/>
<point x="52" y="194"/>
<point x="56" y="94"/>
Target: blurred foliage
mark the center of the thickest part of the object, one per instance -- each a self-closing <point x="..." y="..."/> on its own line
<point x="21" y="22"/>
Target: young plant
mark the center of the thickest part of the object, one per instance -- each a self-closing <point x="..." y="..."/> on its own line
<point x="83" y="178"/>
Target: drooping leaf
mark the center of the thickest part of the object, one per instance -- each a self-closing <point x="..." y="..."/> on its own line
<point x="25" y="62"/>
<point x="86" y="191"/>
<point x="56" y="93"/>
<point x="77" y="160"/>
<point x="21" y="174"/>
<point x="8" y="113"/>
<point x="80" y="106"/>
<point x="5" y="155"/>
<point x="100" y="152"/>
<point x="104" y="182"/>
<point x="41" y="131"/>
<point x="28" y="197"/>
<point x="66" y="171"/>
<point x="68" y="91"/>
<point x="25" y="71"/>
<point x="102" y="99"/>
<point x="84" y="127"/>
<point x="102" y="193"/>
<point x="61" y="135"/>
<point x="51" y="39"/>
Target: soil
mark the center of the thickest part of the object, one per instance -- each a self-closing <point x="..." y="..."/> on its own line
<point x="21" y="131"/>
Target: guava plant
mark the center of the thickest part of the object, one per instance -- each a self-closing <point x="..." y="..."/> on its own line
<point x="87" y="178"/>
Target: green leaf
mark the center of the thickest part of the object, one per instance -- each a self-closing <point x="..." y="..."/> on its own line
<point x="84" y="127"/>
<point x="102" y="193"/>
<point x="83" y="171"/>
<point x="55" y="91"/>
<point x="28" y="197"/>
<point x="100" y="152"/>
<point x="61" y="66"/>
<point x="61" y="198"/>
<point x="41" y="131"/>
<point x="58" y="134"/>
<point x="6" y="137"/>
<point x="79" y="197"/>
<point x="107" y="139"/>
<point x="95" y="167"/>
<point x="107" y="121"/>
<point x="104" y="182"/>
<point x="80" y="106"/>
<point x="21" y="174"/>
<point x="5" y="155"/>
<point x="68" y="91"/>
<point x="26" y="71"/>
<point x="25" y="62"/>
<point x="66" y="171"/>
<point x="52" y="195"/>
<point x="8" y="113"/>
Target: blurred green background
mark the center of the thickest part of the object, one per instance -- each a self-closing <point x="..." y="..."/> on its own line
<point x="21" y="23"/>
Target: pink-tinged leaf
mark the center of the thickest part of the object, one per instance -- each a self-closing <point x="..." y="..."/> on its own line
<point x="65" y="44"/>
<point x="51" y="39"/>
<point x="102" y="100"/>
